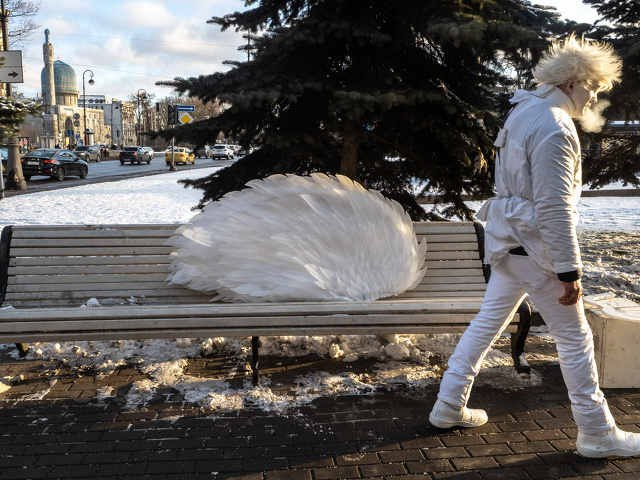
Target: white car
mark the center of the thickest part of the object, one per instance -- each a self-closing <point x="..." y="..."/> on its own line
<point x="222" y="151"/>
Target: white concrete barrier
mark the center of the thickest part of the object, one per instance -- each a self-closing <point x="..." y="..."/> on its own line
<point x="615" y="323"/>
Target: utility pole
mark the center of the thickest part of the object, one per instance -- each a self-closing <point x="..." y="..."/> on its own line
<point x="15" y="178"/>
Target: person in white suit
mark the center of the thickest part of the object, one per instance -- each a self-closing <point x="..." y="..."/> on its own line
<point x="532" y="247"/>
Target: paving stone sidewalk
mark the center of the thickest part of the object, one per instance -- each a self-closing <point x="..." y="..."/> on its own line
<point x="70" y="433"/>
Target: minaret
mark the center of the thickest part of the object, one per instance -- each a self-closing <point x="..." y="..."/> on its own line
<point x="47" y="55"/>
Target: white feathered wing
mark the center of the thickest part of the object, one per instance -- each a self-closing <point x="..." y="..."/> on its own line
<point x="293" y="238"/>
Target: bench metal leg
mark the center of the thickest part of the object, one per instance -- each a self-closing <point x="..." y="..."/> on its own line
<point x="518" y="338"/>
<point x="254" y="359"/>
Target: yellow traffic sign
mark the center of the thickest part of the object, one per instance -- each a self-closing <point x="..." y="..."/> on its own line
<point x="185" y="117"/>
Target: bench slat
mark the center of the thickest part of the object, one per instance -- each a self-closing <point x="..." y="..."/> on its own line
<point x="51" y="271"/>
<point x="93" y="242"/>
<point x="182" y="333"/>
<point x="427" y="295"/>
<point x="432" y="256"/>
<point x="283" y="324"/>
<point x="386" y="306"/>
<point x="452" y="272"/>
<point x="83" y="291"/>
<point x="141" y="276"/>
<point x="89" y="251"/>
<point x="68" y="261"/>
<point x="448" y="238"/>
<point x="98" y="290"/>
<point x="34" y="303"/>
<point x="42" y="281"/>
<point x="422" y="228"/>
<point x="453" y="287"/>
<point x="454" y="246"/>
<point x="452" y="249"/>
<point x="76" y="231"/>
<point x="432" y="280"/>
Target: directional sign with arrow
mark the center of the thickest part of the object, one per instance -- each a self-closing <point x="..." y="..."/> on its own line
<point x="11" y="69"/>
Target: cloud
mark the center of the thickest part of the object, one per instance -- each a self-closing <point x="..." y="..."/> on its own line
<point x="131" y="45"/>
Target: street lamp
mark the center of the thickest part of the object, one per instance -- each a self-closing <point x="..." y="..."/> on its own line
<point x="140" y="116"/>
<point x="84" y="101"/>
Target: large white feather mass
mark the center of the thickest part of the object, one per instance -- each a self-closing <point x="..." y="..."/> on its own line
<point x="293" y="238"/>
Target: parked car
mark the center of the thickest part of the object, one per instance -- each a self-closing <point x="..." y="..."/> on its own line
<point x="55" y="163"/>
<point x="203" y="152"/>
<point x="88" y="152"/>
<point x="135" y="155"/>
<point x="222" y="151"/>
<point x="180" y="155"/>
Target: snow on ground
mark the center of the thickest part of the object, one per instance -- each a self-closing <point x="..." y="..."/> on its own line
<point x="609" y="235"/>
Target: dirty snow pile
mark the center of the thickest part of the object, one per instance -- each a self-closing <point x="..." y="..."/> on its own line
<point x="608" y="234"/>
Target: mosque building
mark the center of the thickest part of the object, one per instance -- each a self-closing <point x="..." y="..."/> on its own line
<point x="70" y="118"/>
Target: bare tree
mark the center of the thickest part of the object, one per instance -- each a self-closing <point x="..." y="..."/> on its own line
<point x="21" y="24"/>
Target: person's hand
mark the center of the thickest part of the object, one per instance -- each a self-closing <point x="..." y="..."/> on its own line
<point x="572" y="293"/>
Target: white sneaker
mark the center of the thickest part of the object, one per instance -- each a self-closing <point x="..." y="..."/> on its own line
<point x="445" y="415"/>
<point x="614" y="443"/>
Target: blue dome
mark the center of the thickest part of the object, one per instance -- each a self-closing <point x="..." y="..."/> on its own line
<point x="64" y="78"/>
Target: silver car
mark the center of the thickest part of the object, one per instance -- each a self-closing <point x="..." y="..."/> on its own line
<point x="88" y="152"/>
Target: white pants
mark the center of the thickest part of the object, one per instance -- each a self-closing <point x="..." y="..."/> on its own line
<point x="509" y="283"/>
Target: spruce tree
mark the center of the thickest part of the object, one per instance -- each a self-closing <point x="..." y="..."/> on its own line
<point x="615" y="154"/>
<point x="392" y="93"/>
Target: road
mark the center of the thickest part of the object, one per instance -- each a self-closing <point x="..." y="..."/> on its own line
<point x="109" y="170"/>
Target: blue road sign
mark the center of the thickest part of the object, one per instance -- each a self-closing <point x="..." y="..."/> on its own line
<point x="69" y="133"/>
<point x="186" y="108"/>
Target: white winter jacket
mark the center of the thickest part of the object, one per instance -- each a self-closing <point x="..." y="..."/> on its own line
<point x="538" y="183"/>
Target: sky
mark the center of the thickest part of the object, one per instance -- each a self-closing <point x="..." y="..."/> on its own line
<point x="132" y="44"/>
<point x="399" y="361"/>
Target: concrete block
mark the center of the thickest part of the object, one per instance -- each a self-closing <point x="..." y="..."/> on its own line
<point x="617" y="341"/>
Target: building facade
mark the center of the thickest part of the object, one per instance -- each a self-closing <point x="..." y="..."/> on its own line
<point x="69" y="119"/>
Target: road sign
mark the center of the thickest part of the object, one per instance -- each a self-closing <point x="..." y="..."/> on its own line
<point x="69" y="133"/>
<point x="11" y="69"/>
<point x="186" y="108"/>
<point x="184" y="117"/>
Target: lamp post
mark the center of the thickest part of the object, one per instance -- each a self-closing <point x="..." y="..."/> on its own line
<point x="142" y="96"/>
<point x="84" y="101"/>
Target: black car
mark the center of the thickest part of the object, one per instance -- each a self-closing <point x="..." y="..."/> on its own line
<point x="55" y="163"/>
<point x="203" y="152"/>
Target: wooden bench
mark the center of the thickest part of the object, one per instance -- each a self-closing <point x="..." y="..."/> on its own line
<point x="47" y="272"/>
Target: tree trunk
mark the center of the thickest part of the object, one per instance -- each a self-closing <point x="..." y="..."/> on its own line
<point x="15" y="177"/>
<point x="350" y="144"/>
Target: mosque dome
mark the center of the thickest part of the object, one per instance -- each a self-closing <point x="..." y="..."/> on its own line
<point x="64" y="79"/>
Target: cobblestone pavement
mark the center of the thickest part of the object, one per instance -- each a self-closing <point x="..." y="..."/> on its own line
<point x="386" y="435"/>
